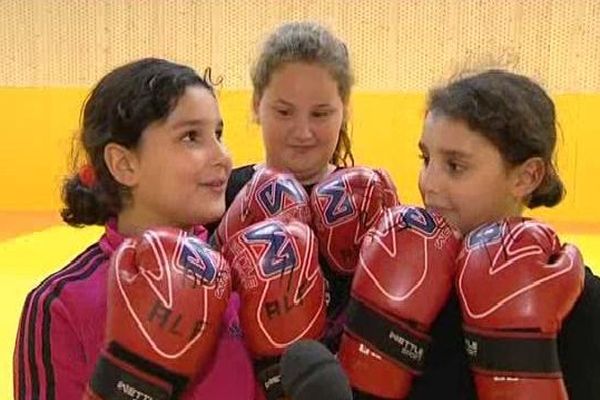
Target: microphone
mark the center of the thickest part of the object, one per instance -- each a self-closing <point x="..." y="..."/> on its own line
<point x="310" y="372"/>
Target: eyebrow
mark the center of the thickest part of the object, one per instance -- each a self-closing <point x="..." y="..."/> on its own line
<point x="449" y="153"/>
<point x="287" y="103"/>
<point x="196" y="122"/>
<point x="455" y="154"/>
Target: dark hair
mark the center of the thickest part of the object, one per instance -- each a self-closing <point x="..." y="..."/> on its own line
<point x="121" y="105"/>
<point x="311" y="43"/>
<point x="514" y="113"/>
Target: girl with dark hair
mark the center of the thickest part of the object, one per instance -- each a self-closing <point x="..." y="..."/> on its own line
<point x="487" y="146"/>
<point x="151" y="135"/>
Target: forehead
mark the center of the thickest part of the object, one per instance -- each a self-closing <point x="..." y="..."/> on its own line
<point x="196" y="102"/>
<point x="444" y="134"/>
<point x="301" y="80"/>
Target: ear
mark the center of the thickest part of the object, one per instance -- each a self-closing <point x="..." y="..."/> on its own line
<point x="528" y="176"/>
<point x="122" y="164"/>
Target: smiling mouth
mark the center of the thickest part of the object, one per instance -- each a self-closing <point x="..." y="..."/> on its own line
<point x="219" y="184"/>
<point x="302" y="148"/>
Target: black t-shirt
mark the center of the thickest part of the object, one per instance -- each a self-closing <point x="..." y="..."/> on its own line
<point x="446" y="374"/>
<point x="579" y="343"/>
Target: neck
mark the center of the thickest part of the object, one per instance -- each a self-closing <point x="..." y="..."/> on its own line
<point x="516" y="210"/>
<point x="309" y="178"/>
<point x="317" y="177"/>
<point x="133" y="222"/>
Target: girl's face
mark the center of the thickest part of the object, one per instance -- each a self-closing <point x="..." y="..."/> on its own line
<point x="181" y="165"/>
<point x="464" y="176"/>
<point x="301" y="113"/>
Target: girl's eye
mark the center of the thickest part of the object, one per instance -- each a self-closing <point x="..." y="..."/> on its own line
<point x="190" y="136"/>
<point x="321" y="114"/>
<point x="455" y="168"/>
<point x="283" y="112"/>
<point x="219" y="134"/>
<point x="424" y="158"/>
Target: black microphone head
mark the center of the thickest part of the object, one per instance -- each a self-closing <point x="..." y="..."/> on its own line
<point x="310" y="372"/>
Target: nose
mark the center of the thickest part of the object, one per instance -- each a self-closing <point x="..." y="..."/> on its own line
<point x="429" y="180"/>
<point x="220" y="155"/>
<point x="302" y="128"/>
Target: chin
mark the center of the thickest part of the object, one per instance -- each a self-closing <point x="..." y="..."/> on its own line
<point x="452" y="221"/>
<point x="309" y="175"/>
<point x="212" y="215"/>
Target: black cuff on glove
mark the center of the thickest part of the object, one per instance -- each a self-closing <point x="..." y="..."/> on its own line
<point x="269" y="376"/>
<point x="122" y="375"/>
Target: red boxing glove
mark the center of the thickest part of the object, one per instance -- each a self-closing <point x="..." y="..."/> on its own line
<point x="516" y="284"/>
<point x="167" y="293"/>
<point x="266" y="195"/>
<point x="404" y="277"/>
<point x="282" y="291"/>
<point x="345" y="205"/>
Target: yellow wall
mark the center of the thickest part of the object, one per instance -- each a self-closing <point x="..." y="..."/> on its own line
<point x="38" y="125"/>
<point x="54" y="50"/>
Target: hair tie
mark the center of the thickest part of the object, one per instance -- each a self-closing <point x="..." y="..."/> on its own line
<point x="87" y="175"/>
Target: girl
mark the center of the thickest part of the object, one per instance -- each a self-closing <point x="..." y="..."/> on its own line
<point x="487" y="147"/>
<point x="301" y="89"/>
<point x="151" y="132"/>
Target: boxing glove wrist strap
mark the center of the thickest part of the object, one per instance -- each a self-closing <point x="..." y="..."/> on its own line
<point x="360" y="395"/>
<point x="122" y="375"/>
<point x="268" y="373"/>
<point x="395" y="339"/>
<point x="529" y="354"/>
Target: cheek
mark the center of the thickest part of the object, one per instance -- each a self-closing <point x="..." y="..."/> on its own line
<point x="477" y="206"/>
<point x="467" y="198"/>
<point x="228" y="161"/>
<point x="186" y="168"/>
<point x="328" y="133"/>
<point x="420" y="184"/>
<point x="272" y="133"/>
<point x="462" y="201"/>
<point x="335" y="126"/>
<point x="178" y="180"/>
